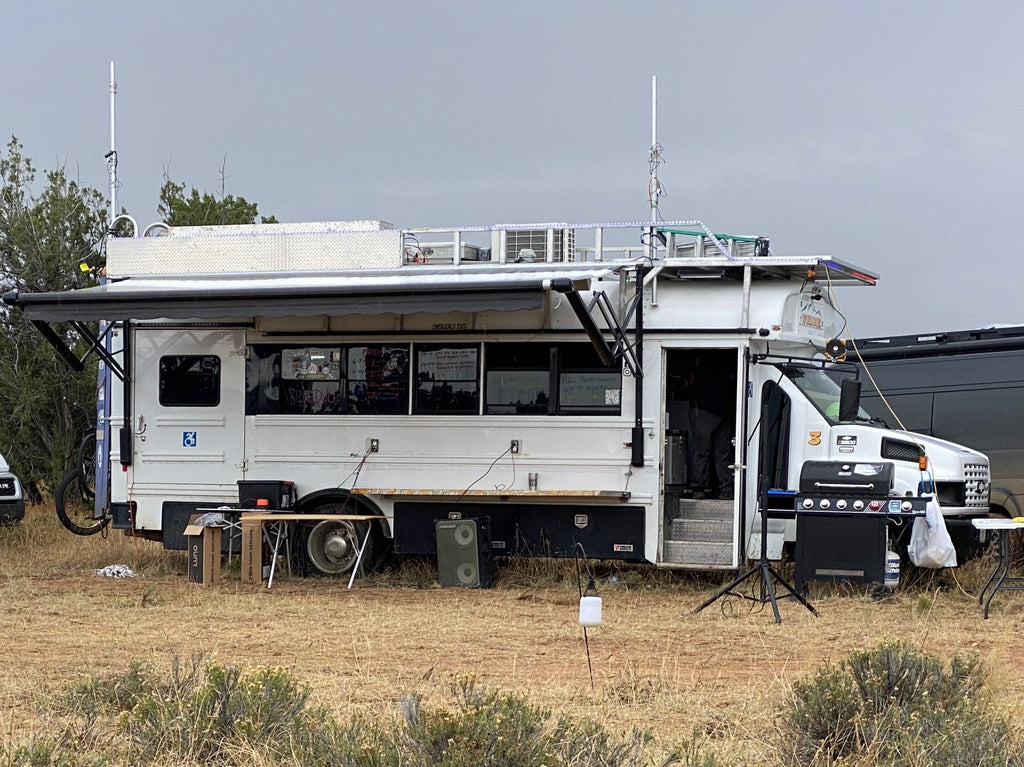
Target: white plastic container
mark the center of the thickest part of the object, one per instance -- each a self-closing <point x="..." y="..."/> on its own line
<point x="892" y="570"/>
<point x="590" y="611"/>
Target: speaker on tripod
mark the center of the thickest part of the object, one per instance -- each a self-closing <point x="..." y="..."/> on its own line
<point x="464" y="556"/>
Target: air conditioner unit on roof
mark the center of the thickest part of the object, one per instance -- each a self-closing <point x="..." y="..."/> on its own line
<point x="531" y="245"/>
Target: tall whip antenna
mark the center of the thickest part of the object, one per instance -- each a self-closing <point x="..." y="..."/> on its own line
<point x="112" y="154"/>
<point x="654" y="188"/>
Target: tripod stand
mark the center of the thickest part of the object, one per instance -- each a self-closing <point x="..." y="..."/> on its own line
<point x="764" y="570"/>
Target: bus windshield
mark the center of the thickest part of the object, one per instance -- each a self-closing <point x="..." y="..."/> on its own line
<point x="822" y="389"/>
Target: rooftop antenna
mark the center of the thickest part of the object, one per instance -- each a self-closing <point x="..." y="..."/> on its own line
<point x="113" y="217"/>
<point x="111" y="156"/>
<point x="654" y="187"/>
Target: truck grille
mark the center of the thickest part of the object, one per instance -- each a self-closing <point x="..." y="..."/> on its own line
<point x="972" y="493"/>
<point x="7" y="486"/>
<point x="976" y="476"/>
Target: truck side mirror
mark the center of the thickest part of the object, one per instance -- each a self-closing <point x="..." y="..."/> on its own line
<point x="849" y="399"/>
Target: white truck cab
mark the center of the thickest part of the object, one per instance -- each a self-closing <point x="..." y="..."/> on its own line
<point x="12" y="501"/>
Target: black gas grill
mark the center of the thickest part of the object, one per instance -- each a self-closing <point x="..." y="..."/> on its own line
<point x="843" y="510"/>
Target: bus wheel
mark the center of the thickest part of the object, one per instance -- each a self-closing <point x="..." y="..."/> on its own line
<point x="331" y="546"/>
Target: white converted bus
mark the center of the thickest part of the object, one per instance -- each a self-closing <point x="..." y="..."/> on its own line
<point x="531" y="375"/>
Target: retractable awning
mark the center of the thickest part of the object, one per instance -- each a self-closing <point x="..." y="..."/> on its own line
<point x="235" y="297"/>
<point x="244" y="296"/>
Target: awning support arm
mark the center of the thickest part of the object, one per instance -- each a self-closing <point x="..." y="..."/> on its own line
<point x="94" y="341"/>
<point x="623" y="348"/>
<point x="604" y="351"/>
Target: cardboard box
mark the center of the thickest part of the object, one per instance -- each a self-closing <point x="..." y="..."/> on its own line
<point x="204" y="544"/>
<point x="252" y="551"/>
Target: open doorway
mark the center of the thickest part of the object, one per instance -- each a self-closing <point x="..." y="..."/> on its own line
<point x="701" y="422"/>
<point x="700" y="447"/>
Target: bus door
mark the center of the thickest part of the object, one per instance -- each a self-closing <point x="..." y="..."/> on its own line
<point x="187" y="415"/>
<point x="699" y="480"/>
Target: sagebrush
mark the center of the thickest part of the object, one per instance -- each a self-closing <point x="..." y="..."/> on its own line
<point x="204" y="712"/>
<point x="895" y="705"/>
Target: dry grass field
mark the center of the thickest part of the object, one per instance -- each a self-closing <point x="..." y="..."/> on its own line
<point x="722" y="675"/>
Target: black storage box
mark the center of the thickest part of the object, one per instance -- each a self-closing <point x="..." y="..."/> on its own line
<point x="279" y="494"/>
<point x="122" y="515"/>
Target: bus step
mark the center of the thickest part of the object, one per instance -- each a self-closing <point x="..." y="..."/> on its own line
<point x="698" y="553"/>
<point x="705" y="509"/>
<point x="710" y="530"/>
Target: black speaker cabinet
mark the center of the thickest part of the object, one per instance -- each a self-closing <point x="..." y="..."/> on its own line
<point x="464" y="553"/>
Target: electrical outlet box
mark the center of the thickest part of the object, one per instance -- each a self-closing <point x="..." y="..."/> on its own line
<point x="514" y="447"/>
<point x="374" y="445"/>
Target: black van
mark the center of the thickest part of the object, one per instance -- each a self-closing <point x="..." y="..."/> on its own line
<point x="964" y="386"/>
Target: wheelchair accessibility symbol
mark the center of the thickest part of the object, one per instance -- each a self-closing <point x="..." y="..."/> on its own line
<point x="188" y="439"/>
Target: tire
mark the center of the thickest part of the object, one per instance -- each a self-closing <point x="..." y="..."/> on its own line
<point x="331" y="547"/>
<point x="880" y="591"/>
<point x="75" y="506"/>
<point x="87" y="464"/>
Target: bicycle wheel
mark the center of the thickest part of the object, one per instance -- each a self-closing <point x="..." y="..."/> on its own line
<point x="87" y="464"/>
<point x="75" y="508"/>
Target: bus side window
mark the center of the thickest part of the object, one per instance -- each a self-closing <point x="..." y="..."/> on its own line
<point x="377" y="379"/>
<point x="447" y="379"/>
<point x="190" y="380"/>
<point x="585" y="385"/>
<point x="518" y="378"/>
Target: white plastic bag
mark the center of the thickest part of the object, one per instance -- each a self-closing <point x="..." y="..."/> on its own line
<point x="930" y="544"/>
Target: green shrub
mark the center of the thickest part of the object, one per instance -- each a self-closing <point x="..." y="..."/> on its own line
<point x="49" y="752"/>
<point x="204" y="712"/>
<point x="91" y="697"/>
<point x="485" y="728"/>
<point x="209" y="713"/>
<point x="894" y="705"/>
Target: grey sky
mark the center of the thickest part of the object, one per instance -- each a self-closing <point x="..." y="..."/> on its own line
<point x="887" y="134"/>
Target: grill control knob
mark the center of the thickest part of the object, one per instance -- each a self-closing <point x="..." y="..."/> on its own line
<point x="841" y="504"/>
<point x="858" y="505"/>
<point x="907" y="506"/>
<point x="808" y="503"/>
<point x="825" y="503"/>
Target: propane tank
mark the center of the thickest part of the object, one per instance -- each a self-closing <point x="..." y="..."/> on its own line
<point x="892" y="569"/>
